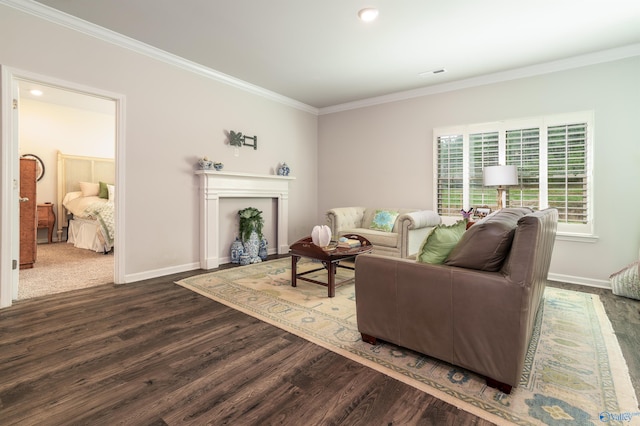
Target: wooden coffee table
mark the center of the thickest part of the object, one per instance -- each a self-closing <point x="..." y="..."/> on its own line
<point x="329" y="257"/>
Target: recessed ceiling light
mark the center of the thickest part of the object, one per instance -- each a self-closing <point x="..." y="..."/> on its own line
<point x="368" y="14"/>
<point x="36" y="92"/>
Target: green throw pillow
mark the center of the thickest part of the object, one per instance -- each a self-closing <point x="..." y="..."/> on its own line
<point x="384" y="220"/>
<point x="103" y="191"/>
<point x="440" y="242"/>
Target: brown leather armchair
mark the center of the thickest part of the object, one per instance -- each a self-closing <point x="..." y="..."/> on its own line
<point x="475" y="319"/>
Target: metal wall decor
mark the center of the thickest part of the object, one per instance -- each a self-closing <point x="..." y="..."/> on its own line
<point x="238" y="139"/>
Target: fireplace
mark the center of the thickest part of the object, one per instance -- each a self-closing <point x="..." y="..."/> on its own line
<point x="215" y="185"/>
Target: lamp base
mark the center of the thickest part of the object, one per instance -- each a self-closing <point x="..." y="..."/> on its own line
<point x="500" y="195"/>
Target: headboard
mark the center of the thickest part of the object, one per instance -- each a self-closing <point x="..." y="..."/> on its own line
<point x="73" y="169"/>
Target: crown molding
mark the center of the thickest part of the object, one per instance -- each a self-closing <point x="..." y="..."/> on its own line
<point x="60" y="18"/>
<point x="57" y="17"/>
<point x="514" y="74"/>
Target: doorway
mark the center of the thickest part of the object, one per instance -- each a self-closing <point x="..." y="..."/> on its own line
<point x="69" y="97"/>
<point x="54" y="120"/>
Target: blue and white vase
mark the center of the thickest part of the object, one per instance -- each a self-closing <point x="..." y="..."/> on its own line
<point x="263" y="252"/>
<point x="237" y="250"/>
<point x="283" y="170"/>
<point x="252" y="247"/>
<point x="245" y="259"/>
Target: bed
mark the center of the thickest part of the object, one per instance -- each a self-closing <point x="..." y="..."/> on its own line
<point x="85" y="201"/>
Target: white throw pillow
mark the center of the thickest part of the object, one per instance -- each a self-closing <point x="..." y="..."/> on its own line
<point x="89" y="189"/>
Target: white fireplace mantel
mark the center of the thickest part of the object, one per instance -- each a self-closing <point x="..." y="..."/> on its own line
<point x="215" y="185"/>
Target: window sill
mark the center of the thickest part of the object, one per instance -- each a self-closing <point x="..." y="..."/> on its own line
<point x="577" y="238"/>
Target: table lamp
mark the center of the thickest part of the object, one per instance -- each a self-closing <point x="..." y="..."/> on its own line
<point x="500" y="176"/>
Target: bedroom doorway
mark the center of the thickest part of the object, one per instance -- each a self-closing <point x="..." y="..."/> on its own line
<point x="56" y="123"/>
<point x="78" y="106"/>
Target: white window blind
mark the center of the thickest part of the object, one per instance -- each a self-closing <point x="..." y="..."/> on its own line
<point x="552" y="155"/>
<point x="567" y="171"/>
<point x="450" y="169"/>
<point x="522" y="150"/>
<point x="483" y="152"/>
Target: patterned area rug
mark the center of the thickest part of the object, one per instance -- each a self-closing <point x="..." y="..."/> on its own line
<point x="574" y="372"/>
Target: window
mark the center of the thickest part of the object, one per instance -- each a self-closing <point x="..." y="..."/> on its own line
<point x="552" y="154"/>
<point x="450" y="176"/>
<point x="483" y="151"/>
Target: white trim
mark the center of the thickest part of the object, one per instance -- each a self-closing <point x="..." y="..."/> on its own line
<point x="162" y="272"/>
<point x="514" y="74"/>
<point x="571" y="279"/>
<point x="216" y="185"/>
<point x="6" y="190"/>
<point x="57" y="17"/>
<point x="576" y="238"/>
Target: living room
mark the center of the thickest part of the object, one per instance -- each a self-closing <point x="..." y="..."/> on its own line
<point x="175" y="112"/>
<point x="317" y="142"/>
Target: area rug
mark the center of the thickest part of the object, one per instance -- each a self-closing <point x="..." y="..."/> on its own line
<point x="574" y="371"/>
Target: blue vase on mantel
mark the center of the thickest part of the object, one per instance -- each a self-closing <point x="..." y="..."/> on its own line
<point x="283" y="170"/>
<point x="237" y="250"/>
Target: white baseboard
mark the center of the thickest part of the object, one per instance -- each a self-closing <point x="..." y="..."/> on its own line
<point x="140" y="276"/>
<point x="579" y="280"/>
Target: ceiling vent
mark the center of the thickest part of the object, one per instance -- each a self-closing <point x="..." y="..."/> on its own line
<point x="432" y="72"/>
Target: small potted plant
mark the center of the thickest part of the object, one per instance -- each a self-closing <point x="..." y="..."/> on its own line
<point x="251" y="223"/>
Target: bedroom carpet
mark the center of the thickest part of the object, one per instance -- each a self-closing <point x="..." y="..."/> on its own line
<point x="61" y="267"/>
<point x="574" y="373"/>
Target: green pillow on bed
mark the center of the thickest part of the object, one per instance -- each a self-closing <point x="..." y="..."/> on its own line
<point x="104" y="191"/>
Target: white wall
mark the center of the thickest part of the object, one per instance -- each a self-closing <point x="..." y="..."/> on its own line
<point x="173" y="116"/>
<point x="46" y="128"/>
<point x="388" y="150"/>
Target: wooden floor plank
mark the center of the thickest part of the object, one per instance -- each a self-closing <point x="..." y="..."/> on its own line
<point x="154" y="353"/>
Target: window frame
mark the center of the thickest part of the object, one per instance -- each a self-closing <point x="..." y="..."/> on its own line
<point x="543" y="123"/>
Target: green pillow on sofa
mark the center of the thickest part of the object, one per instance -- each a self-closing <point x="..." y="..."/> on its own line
<point x="440" y="242"/>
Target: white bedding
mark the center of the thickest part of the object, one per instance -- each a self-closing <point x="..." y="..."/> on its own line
<point x="92" y="226"/>
<point x="83" y="233"/>
<point x="76" y="204"/>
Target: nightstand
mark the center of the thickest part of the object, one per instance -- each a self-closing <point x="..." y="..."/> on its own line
<point x="46" y="218"/>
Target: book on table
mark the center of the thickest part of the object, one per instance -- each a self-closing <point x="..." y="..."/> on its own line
<point x="348" y="242"/>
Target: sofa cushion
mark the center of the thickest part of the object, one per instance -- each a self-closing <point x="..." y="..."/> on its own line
<point x="383" y="220"/>
<point x="486" y="244"/>
<point x="441" y="240"/>
<point x="376" y="238"/>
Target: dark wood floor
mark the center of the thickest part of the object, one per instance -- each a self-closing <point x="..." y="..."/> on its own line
<point x="154" y="353"/>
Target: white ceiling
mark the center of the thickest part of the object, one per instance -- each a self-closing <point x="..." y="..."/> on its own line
<point x="322" y="55"/>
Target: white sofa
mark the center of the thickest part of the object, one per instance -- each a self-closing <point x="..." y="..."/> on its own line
<point x="409" y="230"/>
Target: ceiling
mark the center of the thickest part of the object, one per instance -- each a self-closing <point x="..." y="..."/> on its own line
<point x="322" y="55"/>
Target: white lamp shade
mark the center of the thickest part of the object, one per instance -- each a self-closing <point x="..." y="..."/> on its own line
<point x="500" y="175"/>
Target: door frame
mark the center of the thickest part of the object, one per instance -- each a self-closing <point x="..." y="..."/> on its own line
<point x="9" y="177"/>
